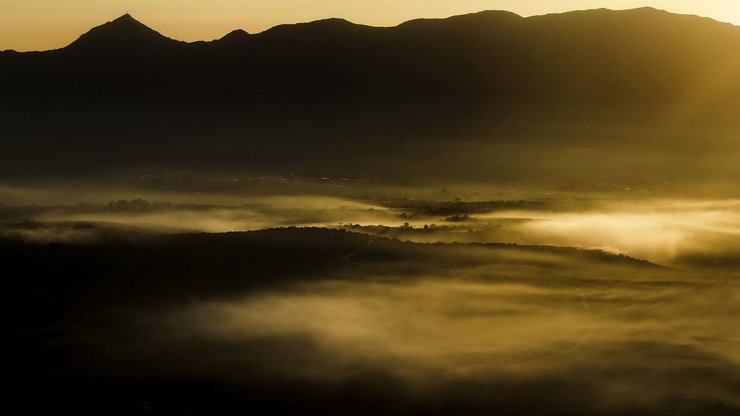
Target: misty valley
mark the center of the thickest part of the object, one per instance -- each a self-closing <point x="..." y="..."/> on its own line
<point x="484" y="214"/>
<point x="375" y="302"/>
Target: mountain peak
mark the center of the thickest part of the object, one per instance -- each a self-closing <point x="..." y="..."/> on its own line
<point x="237" y="35"/>
<point x="126" y="22"/>
<point x="124" y="32"/>
<point x="126" y="18"/>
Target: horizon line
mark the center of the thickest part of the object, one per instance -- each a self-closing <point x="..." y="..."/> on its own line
<point x="130" y="15"/>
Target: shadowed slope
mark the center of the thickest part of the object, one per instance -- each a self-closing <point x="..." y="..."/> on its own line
<point x="325" y="322"/>
<point x="122" y="34"/>
<point x="127" y="94"/>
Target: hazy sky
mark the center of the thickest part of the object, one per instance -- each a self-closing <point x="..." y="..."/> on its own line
<point x="46" y="24"/>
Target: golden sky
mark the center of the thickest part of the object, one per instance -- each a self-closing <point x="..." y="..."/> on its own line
<point x="47" y="24"/>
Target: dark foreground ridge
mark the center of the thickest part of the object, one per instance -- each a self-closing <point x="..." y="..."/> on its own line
<point x="85" y="330"/>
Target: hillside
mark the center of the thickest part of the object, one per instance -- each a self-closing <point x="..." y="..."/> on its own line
<point x="335" y="321"/>
<point x="125" y="94"/>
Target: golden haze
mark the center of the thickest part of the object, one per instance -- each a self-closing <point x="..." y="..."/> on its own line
<point x="40" y="25"/>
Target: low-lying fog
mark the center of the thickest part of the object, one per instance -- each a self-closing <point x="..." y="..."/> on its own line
<point x="671" y="231"/>
<point x="415" y="326"/>
<point x="477" y="327"/>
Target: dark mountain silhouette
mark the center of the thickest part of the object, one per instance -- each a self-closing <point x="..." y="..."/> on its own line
<point x="235" y="37"/>
<point x="634" y="56"/>
<point x="122" y="34"/>
<point x="488" y="77"/>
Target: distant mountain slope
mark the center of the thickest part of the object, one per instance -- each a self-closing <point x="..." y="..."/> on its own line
<point x="123" y="33"/>
<point x="607" y="57"/>
<point x="489" y="76"/>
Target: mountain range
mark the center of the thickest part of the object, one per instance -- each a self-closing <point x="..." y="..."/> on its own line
<point x="487" y="77"/>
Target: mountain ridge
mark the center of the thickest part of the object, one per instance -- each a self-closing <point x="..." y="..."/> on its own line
<point x="128" y="20"/>
<point x="124" y="32"/>
<point x="487" y="77"/>
<point x="633" y="56"/>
